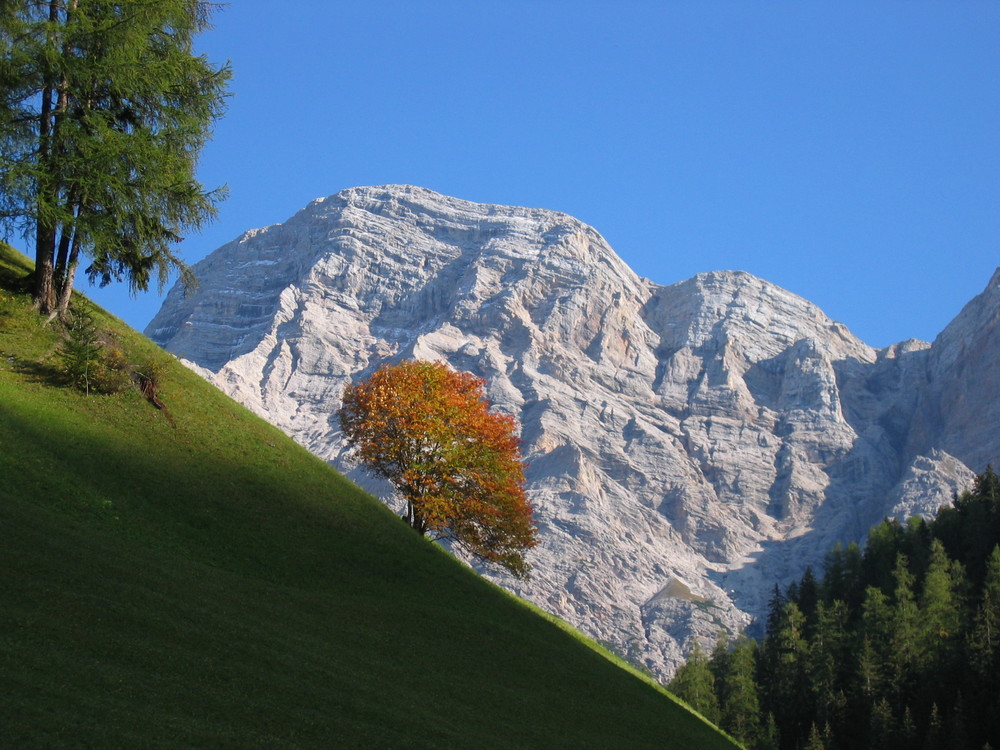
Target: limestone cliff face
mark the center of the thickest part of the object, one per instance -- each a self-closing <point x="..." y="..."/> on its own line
<point x="687" y="445"/>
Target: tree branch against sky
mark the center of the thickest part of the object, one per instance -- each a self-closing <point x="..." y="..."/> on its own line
<point x="104" y="109"/>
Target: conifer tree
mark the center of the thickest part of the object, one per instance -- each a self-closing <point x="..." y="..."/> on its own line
<point x="984" y="640"/>
<point x="934" y="737"/>
<point x="769" y="739"/>
<point x="883" y="546"/>
<point x="835" y="581"/>
<point x="907" y="730"/>
<point x="874" y="658"/>
<point x="808" y="598"/>
<point x="958" y="731"/>
<point x="881" y="726"/>
<point x="983" y="649"/>
<point x="104" y="108"/>
<point x="694" y="683"/>
<point x="884" y="668"/>
<point x="815" y="741"/>
<point x="788" y="694"/>
<point x="906" y="636"/>
<point x="829" y="655"/>
<point x="939" y="620"/>
<point x="738" y="694"/>
<point x="854" y="564"/>
<point x="869" y="675"/>
<point x="987" y="486"/>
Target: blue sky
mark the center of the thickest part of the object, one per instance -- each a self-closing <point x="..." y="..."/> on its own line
<point x="847" y="151"/>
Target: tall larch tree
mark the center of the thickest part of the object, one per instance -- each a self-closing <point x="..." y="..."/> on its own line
<point x="906" y="655"/>
<point x="695" y="684"/>
<point x="828" y="659"/>
<point x="940" y="618"/>
<point x="875" y="654"/>
<point x="104" y="109"/>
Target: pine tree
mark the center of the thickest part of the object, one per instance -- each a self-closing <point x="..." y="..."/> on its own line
<point x="984" y="640"/>
<point x="987" y="486"/>
<point x="884" y="667"/>
<point x="934" y="738"/>
<point x="939" y="622"/>
<point x="874" y="657"/>
<point x="815" y="741"/>
<point x="829" y="658"/>
<point x="808" y="599"/>
<point x="769" y="736"/>
<point x="908" y="734"/>
<point x="883" y="546"/>
<point x="80" y="353"/>
<point x="854" y="565"/>
<point x="788" y="695"/>
<point x="906" y="637"/>
<point x="738" y="697"/>
<point x="958" y="730"/>
<point x="835" y="583"/>
<point x="881" y="726"/>
<point x="983" y="649"/>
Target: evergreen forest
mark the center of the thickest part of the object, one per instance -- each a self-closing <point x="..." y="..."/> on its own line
<point x="895" y="647"/>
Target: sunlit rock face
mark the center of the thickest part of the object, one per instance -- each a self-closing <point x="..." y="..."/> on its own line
<point x="687" y="446"/>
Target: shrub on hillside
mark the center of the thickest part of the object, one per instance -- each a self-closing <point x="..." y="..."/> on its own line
<point x="94" y="362"/>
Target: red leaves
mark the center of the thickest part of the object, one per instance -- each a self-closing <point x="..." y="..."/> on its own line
<point x="430" y="432"/>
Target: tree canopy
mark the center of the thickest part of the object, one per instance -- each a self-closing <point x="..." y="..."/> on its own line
<point x="104" y="109"/>
<point x="430" y="432"/>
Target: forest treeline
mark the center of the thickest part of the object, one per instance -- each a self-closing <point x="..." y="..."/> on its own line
<point x="895" y="647"/>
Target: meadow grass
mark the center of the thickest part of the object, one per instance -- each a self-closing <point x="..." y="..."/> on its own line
<point x="203" y="581"/>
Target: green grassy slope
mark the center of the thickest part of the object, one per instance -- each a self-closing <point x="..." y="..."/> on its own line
<point x="211" y="584"/>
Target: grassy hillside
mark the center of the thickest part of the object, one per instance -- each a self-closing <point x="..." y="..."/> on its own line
<point x="208" y="583"/>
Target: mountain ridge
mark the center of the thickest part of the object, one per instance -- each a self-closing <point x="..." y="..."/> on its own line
<point x="720" y="432"/>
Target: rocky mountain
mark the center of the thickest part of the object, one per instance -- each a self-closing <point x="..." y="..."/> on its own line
<point x="687" y="446"/>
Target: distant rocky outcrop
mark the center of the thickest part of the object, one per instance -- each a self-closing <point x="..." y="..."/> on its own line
<point x="688" y="446"/>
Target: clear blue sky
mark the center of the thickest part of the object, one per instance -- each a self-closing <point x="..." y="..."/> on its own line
<point x="847" y="151"/>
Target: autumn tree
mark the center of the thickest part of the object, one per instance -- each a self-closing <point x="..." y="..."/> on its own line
<point x="104" y="109"/>
<point x="430" y="432"/>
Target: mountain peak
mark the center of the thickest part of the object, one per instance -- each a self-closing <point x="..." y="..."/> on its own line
<point x="720" y="431"/>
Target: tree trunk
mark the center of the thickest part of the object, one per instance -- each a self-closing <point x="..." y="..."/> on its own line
<point x="44" y="274"/>
<point x="66" y="281"/>
<point x="45" y="231"/>
<point x="414" y="520"/>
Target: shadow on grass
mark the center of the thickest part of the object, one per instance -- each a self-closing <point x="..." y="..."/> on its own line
<point x="39" y="373"/>
<point x="303" y="608"/>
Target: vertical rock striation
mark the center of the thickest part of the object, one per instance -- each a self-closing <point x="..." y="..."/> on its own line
<point x="687" y="446"/>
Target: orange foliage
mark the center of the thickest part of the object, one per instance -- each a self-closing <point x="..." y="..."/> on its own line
<point x="429" y="431"/>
